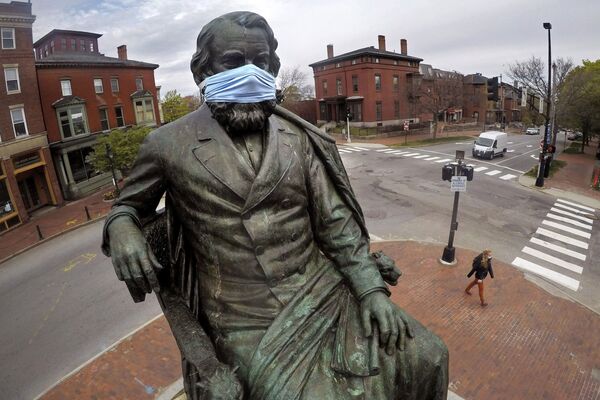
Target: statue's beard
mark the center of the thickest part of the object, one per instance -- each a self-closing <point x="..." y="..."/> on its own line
<point x="241" y="118"/>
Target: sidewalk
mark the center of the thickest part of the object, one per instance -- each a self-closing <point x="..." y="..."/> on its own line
<point x="527" y="344"/>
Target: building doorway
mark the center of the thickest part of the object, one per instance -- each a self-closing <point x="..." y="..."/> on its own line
<point x="29" y="193"/>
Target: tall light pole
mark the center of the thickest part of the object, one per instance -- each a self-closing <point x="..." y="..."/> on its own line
<point x="540" y="178"/>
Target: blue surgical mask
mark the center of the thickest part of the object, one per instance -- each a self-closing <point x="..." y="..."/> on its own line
<point x="246" y="84"/>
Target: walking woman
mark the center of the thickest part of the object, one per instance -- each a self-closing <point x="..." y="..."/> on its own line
<point x="482" y="264"/>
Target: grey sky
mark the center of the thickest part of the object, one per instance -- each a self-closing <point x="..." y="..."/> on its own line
<point x="467" y="36"/>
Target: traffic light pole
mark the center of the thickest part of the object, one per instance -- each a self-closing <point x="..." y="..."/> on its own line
<point x="449" y="251"/>
<point x="348" y="127"/>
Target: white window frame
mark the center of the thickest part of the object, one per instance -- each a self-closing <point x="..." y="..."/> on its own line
<point x="22" y="109"/>
<point x="144" y="112"/>
<point x="62" y="87"/>
<point x="98" y="86"/>
<point x="141" y="84"/>
<point x="69" y="110"/>
<point x="14" y="41"/>
<point x="112" y="88"/>
<point x="105" y="110"/>
<point x="18" y="89"/>
<point x="119" y="106"/>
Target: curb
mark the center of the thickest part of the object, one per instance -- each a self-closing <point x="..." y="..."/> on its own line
<point x="71" y="229"/>
<point x="529" y="182"/>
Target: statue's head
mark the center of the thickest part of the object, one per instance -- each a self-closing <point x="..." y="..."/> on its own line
<point x="233" y="40"/>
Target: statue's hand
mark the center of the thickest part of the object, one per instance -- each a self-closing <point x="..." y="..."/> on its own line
<point x="387" y="268"/>
<point x="131" y="256"/>
<point x="392" y="322"/>
<point x="222" y="384"/>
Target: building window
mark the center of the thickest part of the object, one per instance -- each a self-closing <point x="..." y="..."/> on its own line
<point x="144" y="111"/>
<point x="81" y="168"/>
<point x="63" y="44"/>
<point x="377" y="61"/>
<point x="378" y="111"/>
<point x="92" y="47"/>
<point x="119" y="114"/>
<point x="72" y="121"/>
<point x="46" y="51"/>
<point x="104" y="119"/>
<point x="65" y="87"/>
<point x="396" y="109"/>
<point x="377" y="82"/>
<point x="338" y="86"/>
<point x="353" y="62"/>
<point x="139" y="84"/>
<point x="73" y="44"/>
<point x="18" y="120"/>
<point x="395" y="83"/>
<point x="324" y="88"/>
<point x="323" y="109"/>
<point x="12" y="80"/>
<point x="395" y="62"/>
<point x="52" y="47"/>
<point x="98" y="88"/>
<point x="8" y="38"/>
<point x="338" y="65"/>
<point x="82" y="46"/>
<point x="6" y="205"/>
<point x="356" y="110"/>
<point x="354" y="83"/>
<point x="114" y="85"/>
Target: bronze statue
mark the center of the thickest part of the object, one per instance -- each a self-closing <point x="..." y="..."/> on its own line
<point x="261" y="261"/>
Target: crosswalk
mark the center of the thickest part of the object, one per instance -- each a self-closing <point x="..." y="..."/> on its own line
<point x="559" y="247"/>
<point x="351" y="149"/>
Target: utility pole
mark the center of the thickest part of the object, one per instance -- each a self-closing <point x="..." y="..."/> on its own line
<point x="539" y="182"/>
<point x="554" y="127"/>
<point x="111" y="161"/>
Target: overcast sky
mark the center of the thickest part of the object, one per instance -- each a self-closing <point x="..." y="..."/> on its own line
<point x="467" y="36"/>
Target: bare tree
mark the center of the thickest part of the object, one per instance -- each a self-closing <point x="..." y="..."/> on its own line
<point x="293" y="85"/>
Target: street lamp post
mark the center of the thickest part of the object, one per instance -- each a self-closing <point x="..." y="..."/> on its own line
<point x="539" y="182"/>
<point x="111" y="161"/>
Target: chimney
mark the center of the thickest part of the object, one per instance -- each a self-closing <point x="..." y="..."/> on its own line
<point x="122" y="52"/>
<point x="403" y="47"/>
<point x="329" y="51"/>
<point x="381" y="40"/>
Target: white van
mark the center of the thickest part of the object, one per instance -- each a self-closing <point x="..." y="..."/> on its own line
<point x="489" y="144"/>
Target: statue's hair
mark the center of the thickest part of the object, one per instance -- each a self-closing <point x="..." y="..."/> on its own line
<point x="200" y="65"/>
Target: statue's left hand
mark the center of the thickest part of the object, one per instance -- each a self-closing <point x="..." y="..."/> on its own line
<point x="222" y="384"/>
<point x="391" y="320"/>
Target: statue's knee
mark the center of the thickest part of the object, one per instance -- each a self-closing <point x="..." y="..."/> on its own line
<point x="434" y="351"/>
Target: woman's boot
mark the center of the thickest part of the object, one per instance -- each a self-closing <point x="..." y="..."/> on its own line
<point x="483" y="303"/>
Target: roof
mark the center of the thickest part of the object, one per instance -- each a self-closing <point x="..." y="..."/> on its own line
<point x="67" y="101"/>
<point x="77" y="59"/>
<point x="369" y="51"/>
<point x="428" y="72"/>
<point x="67" y="32"/>
<point x="475" y="79"/>
<point x="141" y="93"/>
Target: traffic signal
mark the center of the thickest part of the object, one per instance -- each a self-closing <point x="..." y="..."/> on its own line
<point x="492" y="89"/>
<point x="447" y="172"/>
<point x="349" y="114"/>
<point x="467" y="170"/>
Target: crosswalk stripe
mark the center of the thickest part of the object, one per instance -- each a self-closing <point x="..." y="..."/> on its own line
<point x="443" y="160"/>
<point x="380" y="150"/>
<point x="510" y="151"/>
<point x="479" y="169"/>
<point x="567" y="229"/>
<point x="566" y="207"/>
<point x="509" y="142"/>
<point x="389" y="151"/>
<point x="352" y="149"/>
<point x="576" y="205"/>
<point x="411" y="154"/>
<point x="558" y="249"/>
<point x="344" y="151"/>
<point x="422" y="156"/>
<point x="562" y="238"/>
<point x="360" y="148"/>
<point x="551" y="259"/>
<point x="569" y="221"/>
<point x="494" y="172"/>
<point x="398" y="152"/>
<point x="579" y="217"/>
<point x="431" y="158"/>
<point x="554" y="276"/>
<point x="507" y="177"/>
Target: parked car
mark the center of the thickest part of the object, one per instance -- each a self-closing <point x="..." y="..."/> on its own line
<point x="574" y="135"/>
<point x="532" y="131"/>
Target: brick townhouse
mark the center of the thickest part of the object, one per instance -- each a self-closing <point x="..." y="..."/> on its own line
<point x="27" y="175"/>
<point x="85" y="93"/>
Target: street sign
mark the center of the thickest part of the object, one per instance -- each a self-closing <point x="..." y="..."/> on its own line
<point x="458" y="184"/>
<point x="405" y="125"/>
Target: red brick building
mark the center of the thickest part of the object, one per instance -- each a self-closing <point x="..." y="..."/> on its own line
<point x="475" y="102"/>
<point x="27" y="177"/>
<point x="85" y="93"/>
<point x="371" y="82"/>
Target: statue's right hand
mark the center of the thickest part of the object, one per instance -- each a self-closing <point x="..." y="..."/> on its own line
<point x="131" y="256"/>
<point x="222" y="384"/>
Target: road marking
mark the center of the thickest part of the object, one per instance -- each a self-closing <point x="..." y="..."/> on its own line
<point x="422" y="156"/>
<point x="360" y="148"/>
<point x="571" y="209"/>
<point x="554" y="276"/>
<point x="389" y="151"/>
<point x="443" y="160"/>
<point x="380" y="150"/>
<point x="352" y="149"/>
<point x="570" y="221"/>
<point x="567" y="229"/>
<point x="47" y="315"/>
<point x="431" y="158"/>
<point x="562" y="238"/>
<point x="551" y="259"/>
<point x="559" y="249"/>
<point x="494" y="172"/>
<point x="509" y="142"/>
<point x="576" y="205"/>
<point x="529" y="145"/>
<point x="81" y="259"/>
<point x="479" y="169"/>
<point x="411" y="154"/>
<point x="398" y="152"/>
<point x="344" y="151"/>
<point x="563" y="212"/>
<point x="510" y="151"/>
<point x="507" y="177"/>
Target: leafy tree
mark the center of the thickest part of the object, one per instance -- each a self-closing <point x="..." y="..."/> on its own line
<point x="174" y="106"/>
<point x="579" y="99"/>
<point x="124" y="144"/>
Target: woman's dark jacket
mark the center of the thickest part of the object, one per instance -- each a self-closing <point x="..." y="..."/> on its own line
<point x="479" y="270"/>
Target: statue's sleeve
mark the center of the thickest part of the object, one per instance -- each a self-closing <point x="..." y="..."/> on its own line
<point x="142" y="191"/>
<point x="337" y="232"/>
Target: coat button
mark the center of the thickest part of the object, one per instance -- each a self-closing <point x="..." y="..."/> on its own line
<point x="295" y="236"/>
<point x="259" y="250"/>
<point x="272" y="283"/>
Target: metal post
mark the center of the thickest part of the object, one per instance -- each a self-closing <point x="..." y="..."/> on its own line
<point x="539" y="182"/>
<point x="110" y="156"/>
<point x="449" y="250"/>
<point x="87" y="213"/>
<point x="348" y="126"/>
<point x="554" y="127"/>
<point x="39" y="232"/>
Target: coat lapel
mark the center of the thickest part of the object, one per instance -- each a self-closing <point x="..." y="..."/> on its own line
<point x="217" y="153"/>
<point x="277" y="158"/>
